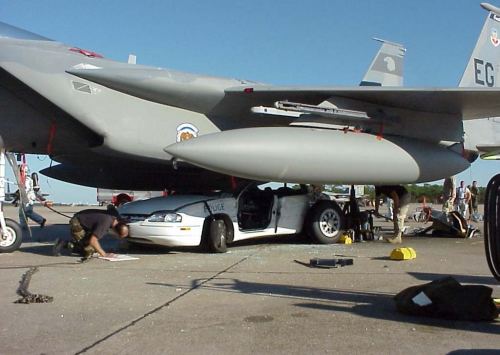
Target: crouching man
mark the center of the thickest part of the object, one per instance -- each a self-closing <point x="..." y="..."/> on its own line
<point x="87" y="227"/>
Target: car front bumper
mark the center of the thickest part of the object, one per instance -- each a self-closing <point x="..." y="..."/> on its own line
<point x="167" y="234"/>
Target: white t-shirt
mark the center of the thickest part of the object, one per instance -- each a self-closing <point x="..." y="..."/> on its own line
<point x="462" y="192"/>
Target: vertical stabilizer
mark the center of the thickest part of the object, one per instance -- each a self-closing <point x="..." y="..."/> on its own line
<point x="386" y="68"/>
<point x="484" y="63"/>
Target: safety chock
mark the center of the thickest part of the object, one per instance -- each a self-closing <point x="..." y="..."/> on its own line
<point x="345" y="239"/>
<point x="403" y="254"/>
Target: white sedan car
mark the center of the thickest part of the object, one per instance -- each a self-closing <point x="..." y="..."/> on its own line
<point x="218" y="220"/>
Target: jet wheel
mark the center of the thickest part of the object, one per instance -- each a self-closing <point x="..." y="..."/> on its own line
<point x="12" y="237"/>
<point x="492" y="225"/>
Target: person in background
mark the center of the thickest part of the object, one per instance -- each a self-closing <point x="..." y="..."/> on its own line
<point x="318" y="194"/>
<point x="474" y="193"/>
<point x="449" y="194"/>
<point x="390" y="208"/>
<point x="401" y="199"/>
<point x="33" y="194"/>
<point x="463" y="196"/>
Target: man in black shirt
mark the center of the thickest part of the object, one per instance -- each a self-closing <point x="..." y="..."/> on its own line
<point x="87" y="228"/>
<point x="401" y="198"/>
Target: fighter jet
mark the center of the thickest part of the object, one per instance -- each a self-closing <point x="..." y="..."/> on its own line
<point x="129" y="126"/>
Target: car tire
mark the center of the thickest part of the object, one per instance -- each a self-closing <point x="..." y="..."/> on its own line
<point x="13" y="238"/>
<point x="326" y="222"/>
<point x="217" y="236"/>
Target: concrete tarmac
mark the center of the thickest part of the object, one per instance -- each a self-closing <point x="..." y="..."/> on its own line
<point x="257" y="298"/>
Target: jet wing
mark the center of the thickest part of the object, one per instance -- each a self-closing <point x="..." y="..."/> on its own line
<point x="156" y="86"/>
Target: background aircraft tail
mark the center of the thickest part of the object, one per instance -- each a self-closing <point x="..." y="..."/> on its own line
<point x="484" y="62"/>
<point x="386" y="68"/>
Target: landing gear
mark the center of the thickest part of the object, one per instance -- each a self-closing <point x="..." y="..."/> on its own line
<point x="492" y="225"/>
<point x="11" y="235"/>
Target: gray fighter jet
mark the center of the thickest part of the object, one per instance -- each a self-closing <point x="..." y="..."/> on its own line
<point x="129" y="126"/>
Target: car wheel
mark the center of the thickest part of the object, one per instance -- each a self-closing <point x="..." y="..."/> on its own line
<point x="12" y="238"/>
<point x="326" y="222"/>
<point x="217" y="236"/>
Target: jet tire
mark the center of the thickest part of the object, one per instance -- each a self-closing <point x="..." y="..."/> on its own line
<point x="326" y="222"/>
<point x="13" y="237"/>
<point x="217" y="236"/>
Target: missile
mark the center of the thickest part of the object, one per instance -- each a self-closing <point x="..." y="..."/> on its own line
<point x="319" y="156"/>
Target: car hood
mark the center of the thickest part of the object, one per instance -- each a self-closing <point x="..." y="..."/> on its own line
<point x="169" y="203"/>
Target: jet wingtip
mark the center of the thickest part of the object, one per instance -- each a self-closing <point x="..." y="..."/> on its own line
<point x="395" y="44"/>
<point x="491" y="8"/>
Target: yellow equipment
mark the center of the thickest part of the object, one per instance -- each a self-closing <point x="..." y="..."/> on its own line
<point x="403" y="254"/>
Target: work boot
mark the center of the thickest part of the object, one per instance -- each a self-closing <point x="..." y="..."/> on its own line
<point x="58" y="245"/>
<point x="88" y="251"/>
<point x="394" y="240"/>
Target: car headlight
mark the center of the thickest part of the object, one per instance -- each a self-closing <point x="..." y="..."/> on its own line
<point x="165" y="217"/>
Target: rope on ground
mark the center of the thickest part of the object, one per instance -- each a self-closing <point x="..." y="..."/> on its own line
<point x="26" y="296"/>
<point x="53" y="210"/>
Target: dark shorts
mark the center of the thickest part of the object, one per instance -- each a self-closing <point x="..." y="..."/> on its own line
<point x="80" y="239"/>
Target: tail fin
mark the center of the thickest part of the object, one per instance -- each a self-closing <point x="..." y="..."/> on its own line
<point x="485" y="59"/>
<point x="386" y="68"/>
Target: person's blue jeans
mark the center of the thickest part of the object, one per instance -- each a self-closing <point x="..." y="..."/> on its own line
<point x="31" y="214"/>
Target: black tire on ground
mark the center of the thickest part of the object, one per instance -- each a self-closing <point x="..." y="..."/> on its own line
<point x="326" y="222"/>
<point x="492" y="225"/>
<point x="217" y="236"/>
<point x="13" y="237"/>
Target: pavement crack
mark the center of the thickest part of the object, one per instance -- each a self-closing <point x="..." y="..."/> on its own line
<point x="166" y="304"/>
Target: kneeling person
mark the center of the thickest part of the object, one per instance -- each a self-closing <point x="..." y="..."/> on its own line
<point x="89" y="226"/>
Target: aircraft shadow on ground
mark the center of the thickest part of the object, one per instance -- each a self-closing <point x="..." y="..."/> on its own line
<point x="474" y="352"/>
<point x="365" y="304"/>
<point x="47" y="234"/>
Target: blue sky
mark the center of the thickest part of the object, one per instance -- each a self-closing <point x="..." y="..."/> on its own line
<point x="279" y="42"/>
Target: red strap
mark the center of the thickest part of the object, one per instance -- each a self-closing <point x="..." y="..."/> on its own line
<point x="22" y="172"/>
<point x="380" y="134"/>
<point x="52" y="134"/>
<point x="234" y="183"/>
